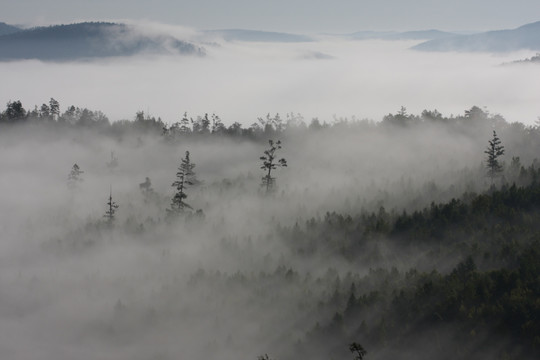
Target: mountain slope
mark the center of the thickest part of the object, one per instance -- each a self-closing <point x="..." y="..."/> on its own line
<point x="7" y="29"/>
<point x="257" y="36"/>
<point x="524" y="37"/>
<point x="407" y="35"/>
<point x="88" y="40"/>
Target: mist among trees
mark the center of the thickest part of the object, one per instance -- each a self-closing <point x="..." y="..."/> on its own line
<point x="416" y="237"/>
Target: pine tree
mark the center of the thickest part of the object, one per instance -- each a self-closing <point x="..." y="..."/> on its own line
<point x="54" y="107"/>
<point x="494" y="151"/>
<point x="74" y="176"/>
<point x="185" y="177"/>
<point x="185" y="124"/>
<point x="270" y="163"/>
<point x="358" y="351"/>
<point x="111" y="209"/>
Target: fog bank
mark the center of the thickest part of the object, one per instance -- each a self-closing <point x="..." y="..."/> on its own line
<point x="242" y="81"/>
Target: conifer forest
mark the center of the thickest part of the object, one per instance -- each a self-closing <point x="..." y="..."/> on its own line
<point x="413" y="237"/>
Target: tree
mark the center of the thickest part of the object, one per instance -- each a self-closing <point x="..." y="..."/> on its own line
<point x="358" y="351"/>
<point x="74" y="176"/>
<point x="111" y="209"/>
<point x="45" y="112"/>
<point x="217" y="125"/>
<point x="114" y="161"/>
<point x="14" y="112"/>
<point x="270" y="163"/>
<point x="54" y="107"/>
<point x="202" y="125"/>
<point x="494" y="151"/>
<point x="184" y="125"/>
<point x="185" y="177"/>
<point x="146" y="186"/>
<point x="147" y="190"/>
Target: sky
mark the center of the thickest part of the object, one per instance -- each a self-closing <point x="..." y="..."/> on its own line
<point x="305" y="16"/>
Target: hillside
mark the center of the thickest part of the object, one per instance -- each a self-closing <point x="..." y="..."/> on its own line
<point x="88" y="40"/>
<point x="257" y="36"/>
<point x="407" y="35"/>
<point x="8" y="29"/>
<point x="526" y="37"/>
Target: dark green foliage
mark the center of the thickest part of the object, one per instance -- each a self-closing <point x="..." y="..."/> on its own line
<point x="490" y="295"/>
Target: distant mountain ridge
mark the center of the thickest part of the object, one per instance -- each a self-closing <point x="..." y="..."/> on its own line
<point x="257" y="36"/>
<point x="526" y="37"/>
<point x="6" y="29"/>
<point x="406" y="35"/>
<point x="88" y="40"/>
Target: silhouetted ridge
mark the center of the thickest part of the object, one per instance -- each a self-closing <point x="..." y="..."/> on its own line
<point x="407" y="35"/>
<point x="258" y="36"/>
<point x="88" y="40"/>
<point x="8" y="29"/>
<point x="524" y="37"/>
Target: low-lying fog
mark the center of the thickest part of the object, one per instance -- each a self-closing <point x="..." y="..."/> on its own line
<point x="218" y="287"/>
<point x="241" y="81"/>
<point x="227" y="285"/>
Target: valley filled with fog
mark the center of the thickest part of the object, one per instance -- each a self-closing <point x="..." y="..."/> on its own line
<point x="241" y="81"/>
<point x="389" y="228"/>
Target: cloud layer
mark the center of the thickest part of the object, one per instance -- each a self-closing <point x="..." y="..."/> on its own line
<point x="242" y="81"/>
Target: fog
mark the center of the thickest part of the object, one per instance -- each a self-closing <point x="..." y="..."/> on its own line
<point x="241" y="81"/>
<point x="232" y="282"/>
<point x="227" y="285"/>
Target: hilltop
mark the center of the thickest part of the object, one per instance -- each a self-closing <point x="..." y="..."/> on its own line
<point x="89" y="40"/>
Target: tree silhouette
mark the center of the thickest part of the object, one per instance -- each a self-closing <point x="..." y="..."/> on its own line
<point x="54" y="108"/>
<point x="111" y="209"/>
<point x="270" y="163"/>
<point x="147" y="190"/>
<point x="74" y="176"/>
<point x="185" y="177"/>
<point x="494" y="151"/>
<point x="358" y="351"/>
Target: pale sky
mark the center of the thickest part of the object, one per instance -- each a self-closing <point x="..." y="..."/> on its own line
<point x="303" y="16"/>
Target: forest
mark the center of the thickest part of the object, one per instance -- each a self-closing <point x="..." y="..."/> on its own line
<point x="413" y="237"/>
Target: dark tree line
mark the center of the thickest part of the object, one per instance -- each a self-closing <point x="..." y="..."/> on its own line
<point x="270" y="126"/>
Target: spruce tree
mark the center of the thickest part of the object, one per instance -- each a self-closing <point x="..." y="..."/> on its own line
<point x="185" y="177"/>
<point x="111" y="209"/>
<point x="493" y="152"/>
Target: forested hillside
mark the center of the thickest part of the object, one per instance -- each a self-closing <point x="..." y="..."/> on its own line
<point x="416" y="237"/>
<point x="89" y="40"/>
